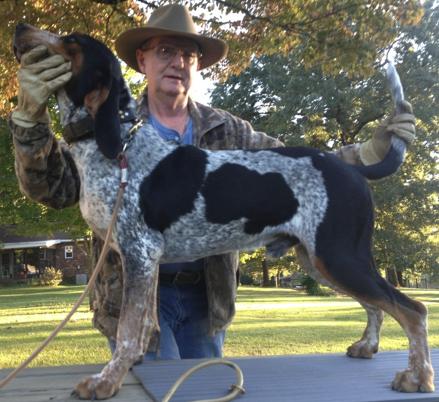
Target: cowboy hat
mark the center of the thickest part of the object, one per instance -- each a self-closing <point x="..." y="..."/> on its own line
<point x="170" y="20"/>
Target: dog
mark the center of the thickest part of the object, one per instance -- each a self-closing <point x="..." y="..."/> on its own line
<point x="282" y="197"/>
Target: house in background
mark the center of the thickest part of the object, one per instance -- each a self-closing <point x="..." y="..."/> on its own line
<point x="26" y="257"/>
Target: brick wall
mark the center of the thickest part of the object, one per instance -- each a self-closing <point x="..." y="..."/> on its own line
<point x="71" y="266"/>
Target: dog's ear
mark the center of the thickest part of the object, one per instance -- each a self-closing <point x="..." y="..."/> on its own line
<point x="103" y="105"/>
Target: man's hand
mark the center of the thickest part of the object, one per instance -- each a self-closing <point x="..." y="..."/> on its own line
<point x="39" y="76"/>
<point x="401" y="125"/>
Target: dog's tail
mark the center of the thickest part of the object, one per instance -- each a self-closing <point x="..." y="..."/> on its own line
<point x="396" y="154"/>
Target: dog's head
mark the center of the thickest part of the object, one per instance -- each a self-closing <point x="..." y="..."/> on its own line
<point x="96" y="81"/>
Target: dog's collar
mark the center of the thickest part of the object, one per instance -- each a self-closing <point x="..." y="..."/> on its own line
<point x="79" y="130"/>
<point x="127" y="115"/>
<point x="84" y="129"/>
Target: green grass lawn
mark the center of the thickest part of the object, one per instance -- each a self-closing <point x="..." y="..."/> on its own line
<point x="268" y="322"/>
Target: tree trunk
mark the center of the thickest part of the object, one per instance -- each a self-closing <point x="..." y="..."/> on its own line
<point x="400" y="278"/>
<point x="278" y="278"/>
<point x="392" y="276"/>
<point x="265" y="274"/>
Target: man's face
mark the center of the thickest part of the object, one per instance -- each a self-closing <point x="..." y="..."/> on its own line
<point x="169" y="64"/>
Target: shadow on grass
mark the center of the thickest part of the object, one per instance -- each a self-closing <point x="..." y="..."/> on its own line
<point x="35" y="296"/>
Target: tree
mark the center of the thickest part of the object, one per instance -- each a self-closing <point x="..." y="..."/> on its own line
<point x="342" y="35"/>
<point x="306" y="106"/>
<point x="256" y="266"/>
<point x="408" y="213"/>
<point x="303" y="106"/>
<point x="99" y="20"/>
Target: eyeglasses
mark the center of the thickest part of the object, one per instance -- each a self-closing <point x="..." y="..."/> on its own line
<point x="168" y="52"/>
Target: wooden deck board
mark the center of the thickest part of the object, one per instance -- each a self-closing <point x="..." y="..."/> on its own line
<point x="45" y="384"/>
<point x="304" y="378"/>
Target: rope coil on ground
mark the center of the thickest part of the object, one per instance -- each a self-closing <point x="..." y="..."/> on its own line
<point x="236" y="389"/>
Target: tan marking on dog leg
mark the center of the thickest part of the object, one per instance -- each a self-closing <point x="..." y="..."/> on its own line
<point x="419" y="376"/>
<point x="307" y="265"/>
<point x="369" y="342"/>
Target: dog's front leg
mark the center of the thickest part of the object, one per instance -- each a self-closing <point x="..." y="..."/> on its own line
<point x="138" y="319"/>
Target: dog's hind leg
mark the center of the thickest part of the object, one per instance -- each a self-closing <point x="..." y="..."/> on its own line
<point x="358" y="277"/>
<point x="140" y="254"/>
<point x="369" y="342"/>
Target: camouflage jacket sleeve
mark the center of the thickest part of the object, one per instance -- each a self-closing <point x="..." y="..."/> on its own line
<point x="45" y="170"/>
<point x="248" y="138"/>
<point x="217" y="129"/>
<point x="243" y="136"/>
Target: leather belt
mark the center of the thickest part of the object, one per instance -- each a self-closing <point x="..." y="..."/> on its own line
<point x="181" y="278"/>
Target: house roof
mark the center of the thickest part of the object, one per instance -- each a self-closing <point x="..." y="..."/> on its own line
<point x="10" y="240"/>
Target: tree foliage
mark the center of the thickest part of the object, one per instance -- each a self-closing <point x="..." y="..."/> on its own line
<point x="251" y="263"/>
<point x="344" y="35"/>
<point x="339" y="35"/>
<point x="306" y="106"/>
<point x="299" y="105"/>
<point x="407" y="233"/>
<point x="99" y="20"/>
<point x="344" y="38"/>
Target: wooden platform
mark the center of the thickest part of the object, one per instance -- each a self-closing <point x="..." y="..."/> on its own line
<point x="304" y="378"/>
<point x="301" y="378"/>
<point x="56" y="383"/>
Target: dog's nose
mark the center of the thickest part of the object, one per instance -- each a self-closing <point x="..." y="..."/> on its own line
<point x="20" y="28"/>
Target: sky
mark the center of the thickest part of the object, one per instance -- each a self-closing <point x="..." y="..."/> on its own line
<point x="201" y="89"/>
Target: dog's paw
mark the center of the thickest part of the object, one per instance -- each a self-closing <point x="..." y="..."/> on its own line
<point x="95" y="387"/>
<point x="409" y="381"/>
<point x="362" y="349"/>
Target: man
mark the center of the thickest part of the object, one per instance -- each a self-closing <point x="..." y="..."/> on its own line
<point x="196" y="299"/>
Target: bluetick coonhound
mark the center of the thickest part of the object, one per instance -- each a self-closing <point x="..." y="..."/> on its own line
<point x="183" y="203"/>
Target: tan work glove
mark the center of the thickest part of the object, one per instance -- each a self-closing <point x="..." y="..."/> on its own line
<point x="39" y="76"/>
<point x="401" y="125"/>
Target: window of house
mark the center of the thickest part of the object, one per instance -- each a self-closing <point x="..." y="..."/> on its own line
<point x="43" y="255"/>
<point x="68" y="252"/>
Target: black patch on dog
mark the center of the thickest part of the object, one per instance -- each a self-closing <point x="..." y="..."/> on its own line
<point x="234" y="191"/>
<point x="170" y="190"/>
<point x="344" y="236"/>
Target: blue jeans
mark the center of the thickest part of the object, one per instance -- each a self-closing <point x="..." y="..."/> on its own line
<point x="184" y="325"/>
